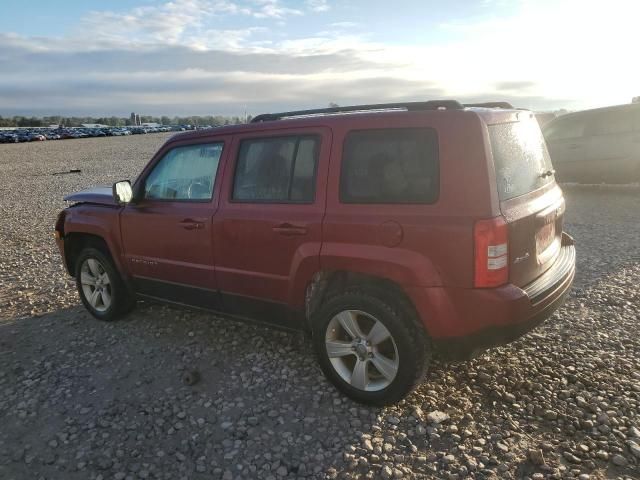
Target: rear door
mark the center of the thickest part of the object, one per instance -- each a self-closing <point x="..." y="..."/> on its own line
<point x="268" y="230"/>
<point x="530" y="200"/>
<point x="613" y="146"/>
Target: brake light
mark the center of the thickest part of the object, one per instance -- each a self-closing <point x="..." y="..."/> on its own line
<point x="491" y="243"/>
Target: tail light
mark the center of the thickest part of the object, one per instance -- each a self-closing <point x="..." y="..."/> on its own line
<point x="491" y="241"/>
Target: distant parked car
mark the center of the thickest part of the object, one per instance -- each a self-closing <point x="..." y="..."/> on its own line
<point x="8" y="138"/>
<point x="24" y="136"/>
<point x="596" y="146"/>
<point x="544" y="117"/>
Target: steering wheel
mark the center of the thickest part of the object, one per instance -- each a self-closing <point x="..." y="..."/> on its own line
<point x="197" y="190"/>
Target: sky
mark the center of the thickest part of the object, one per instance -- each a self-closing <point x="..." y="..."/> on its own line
<point x="228" y="57"/>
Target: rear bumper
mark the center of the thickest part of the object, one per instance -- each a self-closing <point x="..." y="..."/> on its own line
<point x="464" y="322"/>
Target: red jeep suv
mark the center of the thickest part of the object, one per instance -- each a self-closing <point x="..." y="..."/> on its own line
<point x="391" y="233"/>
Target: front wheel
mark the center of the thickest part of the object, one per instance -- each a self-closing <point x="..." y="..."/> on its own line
<point x="371" y="347"/>
<point x="100" y="286"/>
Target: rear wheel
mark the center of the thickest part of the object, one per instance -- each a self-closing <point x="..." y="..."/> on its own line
<point x="370" y="347"/>
<point x="100" y="286"/>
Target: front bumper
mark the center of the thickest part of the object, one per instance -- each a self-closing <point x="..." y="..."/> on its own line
<point x="464" y="322"/>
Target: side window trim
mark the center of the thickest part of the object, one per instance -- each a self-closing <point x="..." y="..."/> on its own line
<point x="151" y="169"/>
<point x="317" y="137"/>
<point x="292" y="169"/>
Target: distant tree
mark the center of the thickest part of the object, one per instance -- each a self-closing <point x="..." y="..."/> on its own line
<point x="333" y="105"/>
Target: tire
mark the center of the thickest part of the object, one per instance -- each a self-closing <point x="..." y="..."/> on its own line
<point x="403" y="354"/>
<point x="112" y="298"/>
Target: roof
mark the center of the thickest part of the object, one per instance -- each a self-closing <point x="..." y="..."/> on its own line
<point x="608" y="108"/>
<point x="494" y="112"/>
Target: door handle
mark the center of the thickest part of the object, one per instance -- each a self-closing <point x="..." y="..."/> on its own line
<point x="573" y="146"/>
<point x="190" y="224"/>
<point x="289" y="229"/>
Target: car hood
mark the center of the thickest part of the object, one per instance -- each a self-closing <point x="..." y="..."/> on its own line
<point x="99" y="195"/>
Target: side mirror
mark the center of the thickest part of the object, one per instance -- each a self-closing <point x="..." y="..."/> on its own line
<point x="122" y="192"/>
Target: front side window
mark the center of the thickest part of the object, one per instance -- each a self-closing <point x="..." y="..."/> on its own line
<point x="185" y="173"/>
<point x="397" y="165"/>
<point x="276" y="169"/>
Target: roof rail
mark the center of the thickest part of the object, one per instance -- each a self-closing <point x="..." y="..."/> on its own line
<point x="505" y="105"/>
<point x="408" y="106"/>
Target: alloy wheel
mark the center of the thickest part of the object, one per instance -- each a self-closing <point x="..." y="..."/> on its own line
<point x="96" y="285"/>
<point x="362" y="350"/>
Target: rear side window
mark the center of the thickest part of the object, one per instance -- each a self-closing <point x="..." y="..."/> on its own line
<point x="397" y="165"/>
<point x="276" y="170"/>
<point x="613" y="122"/>
<point x="520" y="158"/>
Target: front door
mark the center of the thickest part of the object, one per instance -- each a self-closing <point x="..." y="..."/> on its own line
<point x="267" y="232"/>
<point x="167" y="234"/>
<point x="566" y="143"/>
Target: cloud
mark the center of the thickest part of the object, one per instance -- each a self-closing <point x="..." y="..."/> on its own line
<point x="273" y="9"/>
<point x="173" y="22"/>
<point x="166" y="22"/>
<point x="344" y="24"/>
<point x="518" y="85"/>
<point x="317" y="5"/>
<point x="168" y="79"/>
<point x="183" y="56"/>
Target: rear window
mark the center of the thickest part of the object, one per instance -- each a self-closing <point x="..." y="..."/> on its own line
<point x="520" y="157"/>
<point x="397" y="165"/>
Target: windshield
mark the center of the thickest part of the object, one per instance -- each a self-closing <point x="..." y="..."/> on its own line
<point x="520" y="157"/>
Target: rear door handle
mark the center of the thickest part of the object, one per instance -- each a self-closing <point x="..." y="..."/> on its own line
<point x="191" y="224"/>
<point x="289" y="229"/>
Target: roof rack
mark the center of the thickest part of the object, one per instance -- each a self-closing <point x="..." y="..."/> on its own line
<point x="505" y="105"/>
<point x="408" y="106"/>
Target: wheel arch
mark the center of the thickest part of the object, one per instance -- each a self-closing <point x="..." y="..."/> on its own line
<point x="75" y="242"/>
<point x="96" y="226"/>
<point x="324" y="284"/>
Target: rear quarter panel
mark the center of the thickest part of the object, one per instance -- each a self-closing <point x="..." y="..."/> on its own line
<point x="432" y="244"/>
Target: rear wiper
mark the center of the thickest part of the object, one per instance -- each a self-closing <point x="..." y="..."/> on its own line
<point x="548" y="173"/>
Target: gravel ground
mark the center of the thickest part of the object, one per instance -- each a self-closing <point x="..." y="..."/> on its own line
<point x="80" y="399"/>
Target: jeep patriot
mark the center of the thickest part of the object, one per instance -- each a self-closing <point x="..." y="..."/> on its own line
<point x="390" y="233"/>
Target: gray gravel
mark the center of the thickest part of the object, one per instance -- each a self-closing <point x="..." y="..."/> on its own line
<point x="82" y="399"/>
